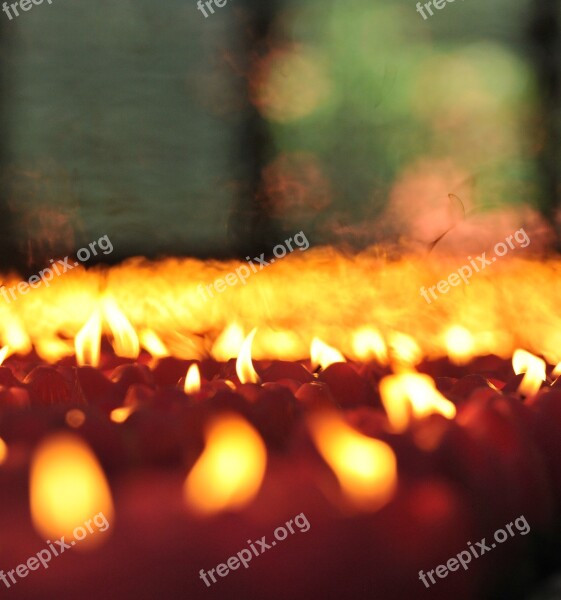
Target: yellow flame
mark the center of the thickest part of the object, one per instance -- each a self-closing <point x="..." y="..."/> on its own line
<point x="67" y="488"/>
<point x="3" y="451"/>
<point x="412" y="395"/>
<point x="88" y="341"/>
<point x="125" y="339"/>
<point x="4" y="354"/>
<point x="366" y="468"/>
<point x="534" y="367"/>
<point x="16" y="337"/>
<point x="229" y="472"/>
<point x="244" y="365"/>
<point x="459" y="345"/>
<point x="368" y="344"/>
<point x="152" y="343"/>
<point x="557" y="370"/>
<point x="193" y="380"/>
<point x="228" y="343"/>
<point x="322" y="355"/>
<point x="120" y="415"/>
<point x="404" y="350"/>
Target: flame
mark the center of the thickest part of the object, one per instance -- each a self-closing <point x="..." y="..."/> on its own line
<point x="404" y="350"/>
<point x="193" y="380"/>
<point x="120" y="415"/>
<point x="366" y="468"/>
<point x="229" y="472"/>
<point x="244" y="365"/>
<point x="67" y="488"/>
<point x="459" y="344"/>
<point x="88" y="341"/>
<point x="368" y="344"/>
<point x="229" y="343"/>
<point x="322" y="355"/>
<point x="4" y="354"/>
<point x="16" y="337"/>
<point x="125" y="339"/>
<point x="412" y="395"/>
<point x="534" y="367"/>
<point x="3" y="451"/>
<point x="151" y="342"/>
<point x="555" y="373"/>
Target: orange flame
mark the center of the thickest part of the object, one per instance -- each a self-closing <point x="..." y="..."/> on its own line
<point x="88" y="341"/>
<point x="459" y="345"/>
<point x="229" y="472"/>
<point x="412" y="395"/>
<point x="229" y="343"/>
<point x="151" y="342"/>
<point x="534" y="367"/>
<point x="322" y="355"/>
<point x="365" y="468"/>
<point x="193" y="380"/>
<point x="404" y="350"/>
<point x="67" y="488"/>
<point x="244" y="365"/>
<point x="557" y="370"/>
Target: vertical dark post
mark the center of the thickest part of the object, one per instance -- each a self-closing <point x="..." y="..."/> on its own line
<point x="545" y="37"/>
<point x="253" y="230"/>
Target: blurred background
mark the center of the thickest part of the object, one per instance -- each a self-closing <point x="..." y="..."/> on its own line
<point x="176" y="134"/>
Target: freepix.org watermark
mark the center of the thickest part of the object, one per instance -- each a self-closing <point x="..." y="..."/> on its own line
<point x="24" y="5"/>
<point x="463" y="558"/>
<point x="242" y="273"/>
<point x="43" y="557"/>
<point x="61" y="267"/>
<point x="245" y="556"/>
<point x="438" y="4"/>
<point x="464" y="273"/>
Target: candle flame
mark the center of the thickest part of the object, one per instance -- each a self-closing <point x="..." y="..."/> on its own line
<point x="125" y="339"/>
<point x="556" y="370"/>
<point x="534" y="369"/>
<point x="67" y="488"/>
<point x="365" y="468"/>
<point x="459" y="344"/>
<point x="322" y="355"/>
<point x="404" y="350"/>
<point x="244" y="365"/>
<point x="412" y="395"/>
<point x="4" y="354"/>
<point x="368" y="344"/>
<point x="3" y="451"/>
<point x="228" y="343"/>
<point x="152" y="343"/>
<point x="193" y="380"/>
<point x="88" y="341"/>
<point x="229" y="472"/>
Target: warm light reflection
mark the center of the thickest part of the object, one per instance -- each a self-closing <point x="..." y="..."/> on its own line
<point x="67" y="488"/>
<point x="534" y="369"/>
<point x="3" y="451"/>
<point x="125" y="339"/>
<point x="193" y="380"/>
<point x="88" y="342"/>
<point x="366" y="468"/>
<point x="322" y="355"/>
<point x="412" y="395"/>
<point x="229" y="472"/>
<point x="75" y="418"/>
<point x="368" y="344"/>
<point x="459" y="345"/>
<point x="244" y="365"/>
<point x="120" y="415"/>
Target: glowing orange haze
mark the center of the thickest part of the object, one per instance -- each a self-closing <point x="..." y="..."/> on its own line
<point x="353" y="303"/>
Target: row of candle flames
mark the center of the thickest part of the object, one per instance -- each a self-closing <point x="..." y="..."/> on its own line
<point x="68" y="485"/>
